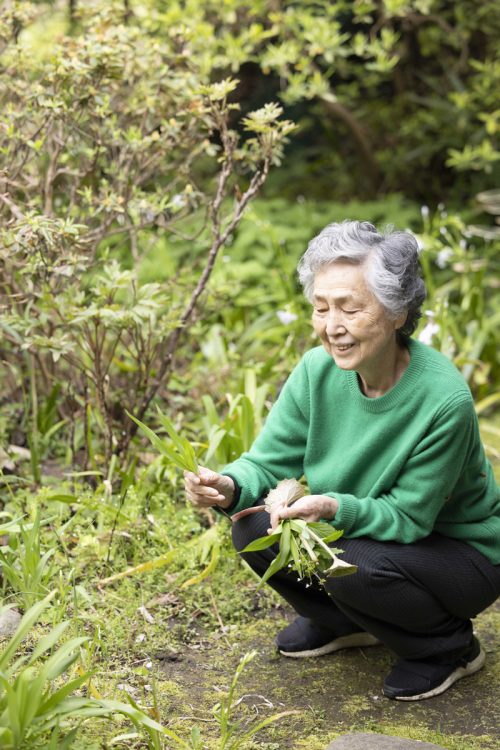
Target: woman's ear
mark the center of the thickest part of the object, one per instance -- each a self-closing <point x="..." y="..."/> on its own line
<point x="400" y="320"/>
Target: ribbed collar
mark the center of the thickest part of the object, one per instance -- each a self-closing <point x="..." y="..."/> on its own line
<point x="398" y="393"/>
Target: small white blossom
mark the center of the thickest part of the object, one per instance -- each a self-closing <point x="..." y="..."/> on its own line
<point x="178" y="201"/>
<point x="430" y="330"/>
<point x="424" y="210"/>
<point x="443" y="257"/>
<point x="286" y="317"/>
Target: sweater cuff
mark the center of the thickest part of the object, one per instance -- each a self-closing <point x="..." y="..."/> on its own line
<point x="345" y="518"/>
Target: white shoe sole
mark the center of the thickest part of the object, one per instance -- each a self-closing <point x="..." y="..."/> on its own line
<point x="354" y="640"/>
<point x="471" y="668"/>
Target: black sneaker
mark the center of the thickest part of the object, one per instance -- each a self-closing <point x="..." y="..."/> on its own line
<point x="302" y="639"/>
<point x="415" y="680"/>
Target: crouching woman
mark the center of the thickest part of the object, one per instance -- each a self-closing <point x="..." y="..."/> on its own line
<point x="384" y="430"/>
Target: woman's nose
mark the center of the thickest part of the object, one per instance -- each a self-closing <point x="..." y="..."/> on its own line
<point x="334" y="322"/>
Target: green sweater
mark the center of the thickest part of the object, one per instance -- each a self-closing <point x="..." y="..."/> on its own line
<point x="401" y="466"/>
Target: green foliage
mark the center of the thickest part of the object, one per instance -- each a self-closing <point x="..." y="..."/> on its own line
<point x="463" y="310"/>
<point x="390" y="95"/>
<point x="229" y="436"/>
<point x="34" y="707"/>
<point x="25" y="569"/>
<point x="101" y="159"/>
<point x="179" y="451"/>
<point x="303" y="546"/>
<point x="234" y="735"/>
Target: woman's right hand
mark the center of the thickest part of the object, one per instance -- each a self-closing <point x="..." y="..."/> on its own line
<point x="207" y="488"/>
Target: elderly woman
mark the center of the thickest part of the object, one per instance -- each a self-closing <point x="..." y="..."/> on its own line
<point x="384" y="429"/>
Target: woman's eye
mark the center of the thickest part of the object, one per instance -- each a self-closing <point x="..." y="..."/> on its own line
<point x="350" y="312"/>
<point x="320" y="310"/>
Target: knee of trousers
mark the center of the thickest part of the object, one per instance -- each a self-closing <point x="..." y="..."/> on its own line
<point x="376" y="573"/>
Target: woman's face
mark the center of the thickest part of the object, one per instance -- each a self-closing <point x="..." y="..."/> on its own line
<point x="353" y="326"/>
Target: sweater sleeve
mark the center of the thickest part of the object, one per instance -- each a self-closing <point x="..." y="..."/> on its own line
<point x="278" y="451"/>
<point x="409" y="510"/>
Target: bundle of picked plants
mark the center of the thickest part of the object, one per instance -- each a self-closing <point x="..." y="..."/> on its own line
<point x="303" y="545"/>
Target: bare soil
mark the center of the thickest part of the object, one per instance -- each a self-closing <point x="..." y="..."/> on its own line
<point x="335" y="694"/>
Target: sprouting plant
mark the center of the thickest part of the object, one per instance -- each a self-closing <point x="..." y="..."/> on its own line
<point x="233" y="734"/>
<point x="178" y="451"/>
<point x="303" y="545"/>
<point x="38" y="707"/>
<point x="25" y="568"/>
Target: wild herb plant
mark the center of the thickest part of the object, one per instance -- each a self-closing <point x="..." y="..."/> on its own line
<point x="229" y="435"/>
<point x="234" y="733"/>
<point x="26" y="569"/>
<point x="303" y="545"/>
<point x="178" y="450"/>
<point x="37" y="707"/>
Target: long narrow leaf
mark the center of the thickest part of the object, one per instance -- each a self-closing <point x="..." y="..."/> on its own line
<point x="48" y="641"/>
<point x="263" y="542"/>
<point x="27" y="622"/>
<point x="206" y="571"/>
<point x="59" y="695"/>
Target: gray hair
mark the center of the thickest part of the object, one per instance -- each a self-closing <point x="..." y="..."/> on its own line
<point x="393" y="269"/>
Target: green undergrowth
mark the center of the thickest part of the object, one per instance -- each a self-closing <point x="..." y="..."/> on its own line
<point x="170" y="637"/>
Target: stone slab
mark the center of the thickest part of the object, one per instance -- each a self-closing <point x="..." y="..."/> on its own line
<point x="368" y="741"/>
<point x="9" y="620"/>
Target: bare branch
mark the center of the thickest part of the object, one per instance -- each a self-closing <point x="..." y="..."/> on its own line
<point x="15" y="210"/>
<point x="170" y="346"/>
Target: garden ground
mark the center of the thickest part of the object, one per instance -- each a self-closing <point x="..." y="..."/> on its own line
<point x="334" y="694"/>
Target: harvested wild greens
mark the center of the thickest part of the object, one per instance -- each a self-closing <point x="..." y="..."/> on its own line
<point x="303" y="545"/>
<point x="177" y="450"/>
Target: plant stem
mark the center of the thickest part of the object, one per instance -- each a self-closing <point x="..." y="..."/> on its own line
<point x="246" y="512"/>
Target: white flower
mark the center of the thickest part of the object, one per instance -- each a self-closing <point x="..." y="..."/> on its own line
<point x="178" y="201"/>
<point x="443" y="257"/>
<point x="286" y="317"/>
<point x="424" y="210"/>
<point x="429" y="331"/>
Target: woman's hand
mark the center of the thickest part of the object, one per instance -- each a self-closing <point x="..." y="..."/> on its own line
<point x="308" y="508"/>
<point x="207" y="488"/>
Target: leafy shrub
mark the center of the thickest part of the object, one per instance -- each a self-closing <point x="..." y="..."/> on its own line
<point x="96" y="151"/>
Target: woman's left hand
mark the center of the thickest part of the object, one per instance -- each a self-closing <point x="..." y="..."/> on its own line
<point x="308" y="508"/>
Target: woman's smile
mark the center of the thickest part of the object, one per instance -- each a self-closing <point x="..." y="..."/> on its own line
<point x="342" y="348"/>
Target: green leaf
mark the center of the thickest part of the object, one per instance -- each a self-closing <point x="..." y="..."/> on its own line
<point x="295" y="552"/>
<point x="263" y="542"/>
<point x="283" y="556"/>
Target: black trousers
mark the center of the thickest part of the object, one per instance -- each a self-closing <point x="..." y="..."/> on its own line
<point x="418" y="599"/>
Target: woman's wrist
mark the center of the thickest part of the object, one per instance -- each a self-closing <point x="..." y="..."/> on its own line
<point x="228" y="491"/>
<point x="331" y="506"/>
